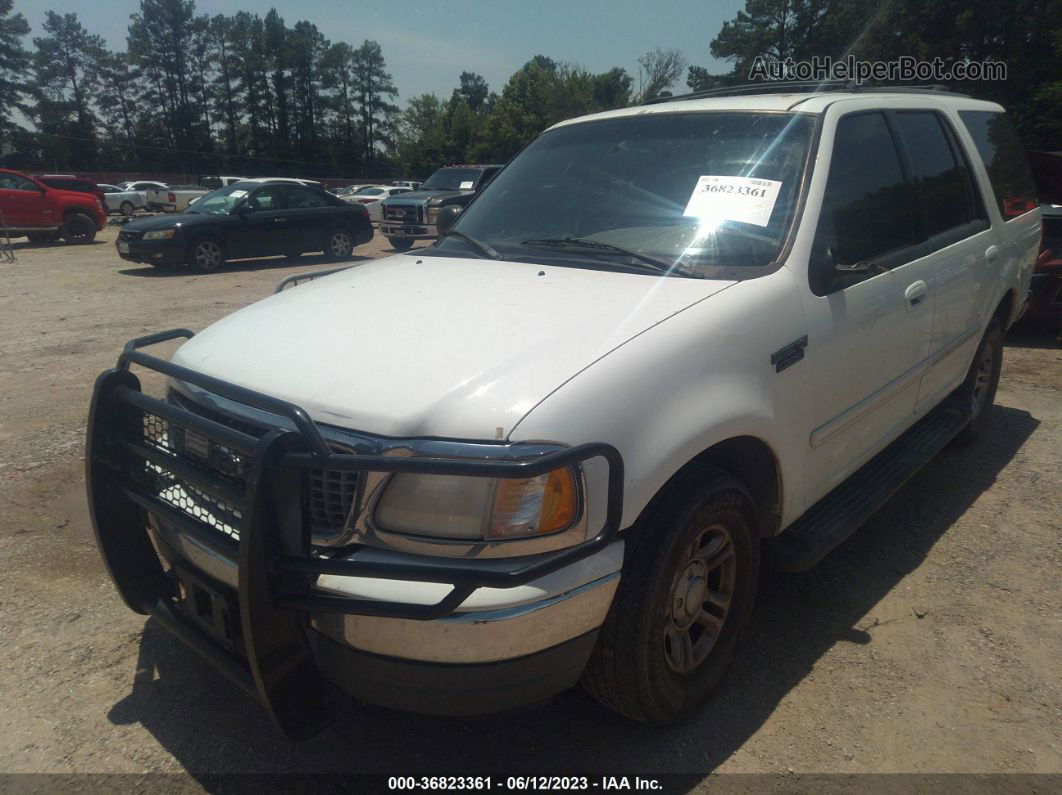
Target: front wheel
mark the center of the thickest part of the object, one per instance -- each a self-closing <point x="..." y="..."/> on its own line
<point x="126" y="208"/>
<point x="206" y="255"/>
<point x="338" y="244"/>
<point x="686" y="593"/>
<point x="401" y="243"/>
<point x="978" y="391"/>
<point x="79" y="228"/>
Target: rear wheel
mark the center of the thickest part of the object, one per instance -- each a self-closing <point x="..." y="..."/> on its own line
<point x="401" y="243"/>
<point x="979" y="389"/>
<point x="79" y="228"/>
<point x="126" y="208"/>
<point x="686" y="593"/>
<point x="338" y="244"/>
<point x="206" y="254"/>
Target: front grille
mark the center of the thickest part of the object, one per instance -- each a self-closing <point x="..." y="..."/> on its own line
<point x="409" y="214"/>
<point x="193" y="502"/>
<point x="331" y="492"/>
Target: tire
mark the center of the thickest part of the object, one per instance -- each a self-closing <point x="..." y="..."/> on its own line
<point x="982" y="380"/>
<point x="126" y="208"/>
<point x="78" y="228"/>
<point x="206" y="254"/>
<point x="657" y="660"/>
<point x="338" y="244"/>
<point x="401" y="243"/>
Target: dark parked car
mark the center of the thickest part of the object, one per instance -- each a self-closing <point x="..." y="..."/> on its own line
<point x="251" y="218"/>
<point x="67" y="182"/>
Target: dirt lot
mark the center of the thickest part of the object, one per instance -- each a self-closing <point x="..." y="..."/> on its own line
<point x="929" y="642"/>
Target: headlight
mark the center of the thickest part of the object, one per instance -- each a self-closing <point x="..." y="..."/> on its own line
<point x="469" y="508"/>
<point x="160" y="234"/>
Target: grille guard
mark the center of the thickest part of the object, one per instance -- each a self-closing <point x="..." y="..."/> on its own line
<point x="276" y="569"/>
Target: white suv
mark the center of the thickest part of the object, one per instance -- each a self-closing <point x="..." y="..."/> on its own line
<point x="664" y="341"/>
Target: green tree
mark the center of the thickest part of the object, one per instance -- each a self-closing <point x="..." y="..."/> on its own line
<point x="160" y="39"/>
<point x="66" y="75"/>
<point x="14" y="67"/>
<point x="375" y="92"/>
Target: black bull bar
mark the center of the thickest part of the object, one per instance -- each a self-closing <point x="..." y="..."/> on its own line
<point x="277" y="570"/>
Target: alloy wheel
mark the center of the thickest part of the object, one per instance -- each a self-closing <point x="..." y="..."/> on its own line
<point x="340" y="244"/>
<point x="208" y="255"/>
<point x="701" y="595"/>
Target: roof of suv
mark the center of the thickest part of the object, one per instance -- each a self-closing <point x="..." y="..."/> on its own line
<point x="802" y="101"/>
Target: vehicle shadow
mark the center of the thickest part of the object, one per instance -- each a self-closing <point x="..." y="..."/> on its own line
<point x="310" y="262"/>
<point x="28" y="245"/>
<point x="210" y="727"/>
<point x="1030" y="334"/>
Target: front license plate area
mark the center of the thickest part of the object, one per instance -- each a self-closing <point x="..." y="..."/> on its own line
<point x="212" y="609"/>
<point x="123" y="247"/>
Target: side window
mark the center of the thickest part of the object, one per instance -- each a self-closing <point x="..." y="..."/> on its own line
<point x="868" y="209"/>
<point x="271" y="198"/>
<point x="302" y="198"/>
<point x="939" y="172"/>
<point x="1004" y="157"/>
<point x="15" y="182"/>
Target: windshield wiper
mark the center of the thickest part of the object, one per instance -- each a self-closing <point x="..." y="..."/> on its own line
<point x="484" y="248"/>
<point x="657" y="265"/>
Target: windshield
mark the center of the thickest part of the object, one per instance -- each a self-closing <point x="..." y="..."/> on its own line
<point x="370" y="191"/>
<point x="220" y="201"/>
<point x="693" y="191"/>
<point x="453" y="179"/>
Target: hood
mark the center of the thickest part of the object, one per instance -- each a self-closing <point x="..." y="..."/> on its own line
<point x="445" y="347"/>
<point x="168" y="221"/>
<point x="421" y="196"/>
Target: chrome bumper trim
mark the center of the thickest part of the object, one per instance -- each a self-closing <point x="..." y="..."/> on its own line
<point x="478" y="637"/>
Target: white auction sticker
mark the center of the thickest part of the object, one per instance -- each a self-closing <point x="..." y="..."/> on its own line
<point x="238" y="194"/>
<point x="466" y="185"/>
<point x="745" y="199"/>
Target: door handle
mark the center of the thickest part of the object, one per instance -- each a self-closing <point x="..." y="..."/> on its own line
<point x="915" y="294"/>
<point x="280" y="220"/>
<point x="991" y="253"/>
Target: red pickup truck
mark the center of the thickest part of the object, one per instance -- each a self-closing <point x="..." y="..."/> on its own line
<point x="29" y="208"/>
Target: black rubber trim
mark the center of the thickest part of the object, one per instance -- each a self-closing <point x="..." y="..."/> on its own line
<point x="453" y="689"/>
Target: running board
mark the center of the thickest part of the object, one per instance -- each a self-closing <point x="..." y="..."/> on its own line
<point x="840" y="513"/>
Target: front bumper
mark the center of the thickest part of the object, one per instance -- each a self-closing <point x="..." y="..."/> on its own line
<point x="411" y="231"/>
<point x="273" y="630"/>
<point x="159" y="252"/>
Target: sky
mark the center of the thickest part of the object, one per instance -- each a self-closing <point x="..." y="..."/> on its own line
<point x="428" y="43"/>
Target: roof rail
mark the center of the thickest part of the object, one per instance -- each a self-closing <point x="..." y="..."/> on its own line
<point x="802" y="87"/>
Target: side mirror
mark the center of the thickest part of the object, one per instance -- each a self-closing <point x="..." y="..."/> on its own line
<point x="447" y="216"/>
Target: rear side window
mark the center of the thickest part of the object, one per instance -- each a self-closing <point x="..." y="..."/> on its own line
<point x="868" y="209"/>
<point x="939" y="172"/>
<point x="1004" y="157"/>
<point x="301" y="198"/>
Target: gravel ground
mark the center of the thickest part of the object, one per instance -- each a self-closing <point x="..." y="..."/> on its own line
<point x="930" y="642"/>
